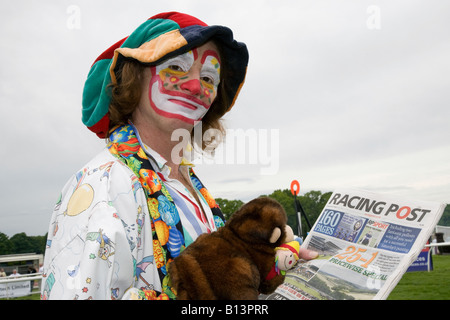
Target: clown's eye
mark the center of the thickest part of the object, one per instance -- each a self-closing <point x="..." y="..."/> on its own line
<point x="209" y="80"/>
<point x="210" y="76"/>
<point x="175" y="67"/>
<point x="181" y="63"/>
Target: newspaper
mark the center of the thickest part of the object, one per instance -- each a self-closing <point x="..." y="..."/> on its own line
<point x="366" y="242"/>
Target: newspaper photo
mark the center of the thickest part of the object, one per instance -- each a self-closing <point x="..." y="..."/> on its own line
<point x="366" y="242"/>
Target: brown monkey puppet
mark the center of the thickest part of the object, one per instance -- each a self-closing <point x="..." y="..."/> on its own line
<point x="233" y="262"/>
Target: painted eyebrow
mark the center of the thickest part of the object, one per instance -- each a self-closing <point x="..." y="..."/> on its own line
<point x="209" y="53"/>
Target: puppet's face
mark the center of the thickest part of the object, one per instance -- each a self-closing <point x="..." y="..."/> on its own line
<point x="184" y="87"/>
<point x="286" y="259"/>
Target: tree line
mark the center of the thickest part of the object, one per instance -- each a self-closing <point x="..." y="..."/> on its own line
<point x="21" y="243"/>
<point x="312" y="203"/>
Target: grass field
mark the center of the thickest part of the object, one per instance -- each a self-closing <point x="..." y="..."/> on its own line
<point x="423" y="285"/>
<point x="420" y="285"/>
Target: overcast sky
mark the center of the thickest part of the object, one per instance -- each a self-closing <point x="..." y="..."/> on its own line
<point x="338" y="94"/>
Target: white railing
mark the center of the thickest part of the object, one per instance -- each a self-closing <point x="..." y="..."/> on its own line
<point x="438" y="244"/>
<point x="22" y="277"/>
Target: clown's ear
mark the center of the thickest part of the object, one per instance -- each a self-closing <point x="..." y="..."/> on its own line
<point x="276" y="233"/>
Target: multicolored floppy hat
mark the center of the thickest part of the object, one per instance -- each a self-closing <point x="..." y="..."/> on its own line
<point x="159" y="38"/>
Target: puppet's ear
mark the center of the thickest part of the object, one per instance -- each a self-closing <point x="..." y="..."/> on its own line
<point x="289" y="234"/>
<point x="276" y="233"/>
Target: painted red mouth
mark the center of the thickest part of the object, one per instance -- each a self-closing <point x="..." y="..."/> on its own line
<point x="184" y="104"/>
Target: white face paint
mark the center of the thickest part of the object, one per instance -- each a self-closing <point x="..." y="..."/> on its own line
<point x="184" y="87"/>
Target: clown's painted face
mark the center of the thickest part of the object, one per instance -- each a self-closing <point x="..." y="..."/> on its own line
<point x="184" y="87"/>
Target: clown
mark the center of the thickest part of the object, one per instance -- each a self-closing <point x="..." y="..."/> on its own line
<point x="170" y="73"/>
<point x="174" y="70"/>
